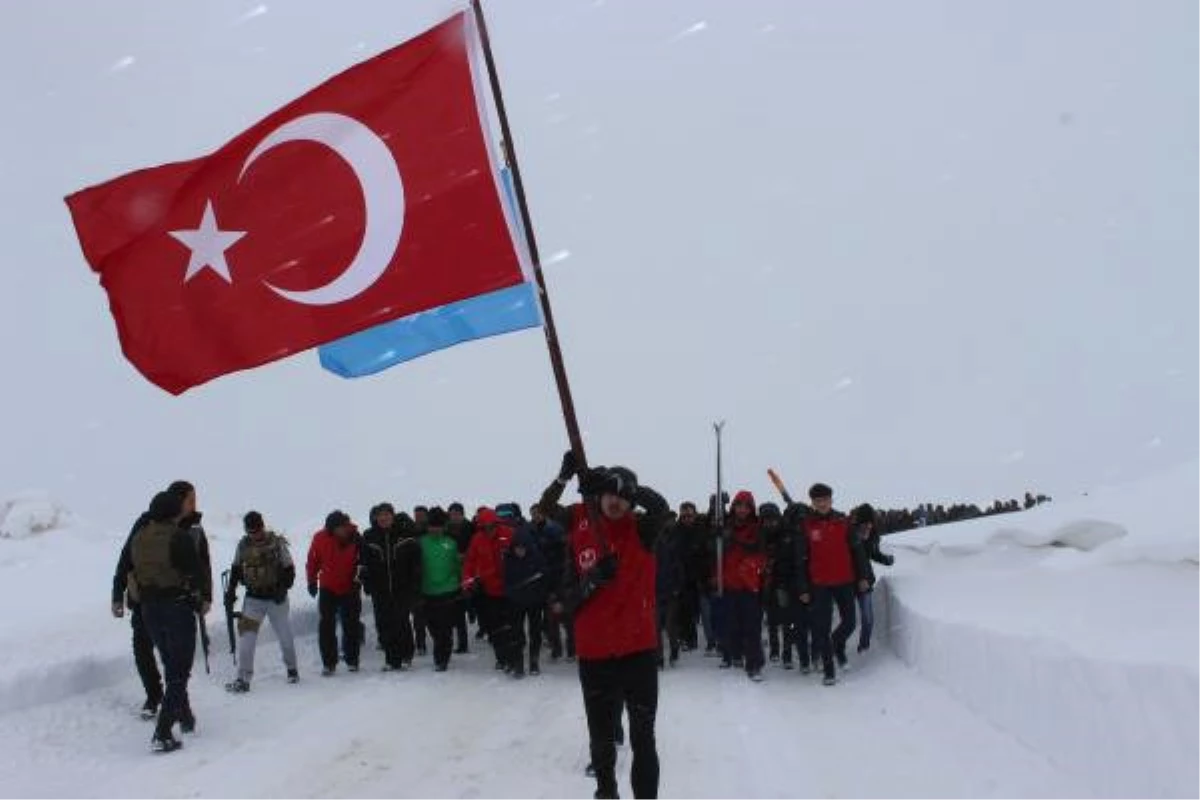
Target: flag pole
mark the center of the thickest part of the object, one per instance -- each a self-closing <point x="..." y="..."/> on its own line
<point x="548" y="327"/>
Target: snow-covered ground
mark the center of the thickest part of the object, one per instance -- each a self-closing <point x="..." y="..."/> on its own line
<point x="1047" y="653"/>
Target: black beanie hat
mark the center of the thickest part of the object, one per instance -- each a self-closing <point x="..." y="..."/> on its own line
<point x="437" y="517"/>
<point x="769" y="511"/>
<point x="166" y="507"/>
<point x="456" y="506"/>
<point x="335" y="520"/>
<point x="253" y="521"/>
<point x="864" y="514"/>
<point x="819" y="490"/>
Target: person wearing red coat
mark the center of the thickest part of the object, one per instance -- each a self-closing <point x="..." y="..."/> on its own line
<point x="743" y="566"/>
<point x="835" y="569"/>
<point x="332" y="571"/>
<point x="609" y="582"/>
<point x="483" y="578"/>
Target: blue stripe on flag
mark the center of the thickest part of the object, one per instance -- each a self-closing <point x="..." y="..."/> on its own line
<point x="383" y="346"/>
<point x="375" y="349"/>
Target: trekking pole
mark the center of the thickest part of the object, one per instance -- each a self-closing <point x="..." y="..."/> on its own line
<point x="719" y="514"/>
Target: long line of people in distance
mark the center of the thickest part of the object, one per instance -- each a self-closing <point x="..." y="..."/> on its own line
<point x="721" y="577"/>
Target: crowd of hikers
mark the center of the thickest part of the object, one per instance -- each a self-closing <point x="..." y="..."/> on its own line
<point x="619" y="582"/>
<point x="893" y="520"/>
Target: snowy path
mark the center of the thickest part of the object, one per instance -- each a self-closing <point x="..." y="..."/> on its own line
<point x="471" y="733"/>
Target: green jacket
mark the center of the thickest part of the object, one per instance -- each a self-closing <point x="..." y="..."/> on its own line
<point x="441" y="564"/>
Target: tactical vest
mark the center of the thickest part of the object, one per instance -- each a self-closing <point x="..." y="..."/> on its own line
<point x="261" y="564"/>
<point x="151" y="552"/>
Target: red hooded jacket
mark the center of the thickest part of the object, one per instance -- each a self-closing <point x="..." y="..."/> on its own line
<point x="485" y="554"/>
<point x="745" y="558"/>
<point x="618" y="620"/>
<point x="333" y="561"/>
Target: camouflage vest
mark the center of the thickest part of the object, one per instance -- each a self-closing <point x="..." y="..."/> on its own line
<point x="261" y="564"/>
<point x="151" y="552"/>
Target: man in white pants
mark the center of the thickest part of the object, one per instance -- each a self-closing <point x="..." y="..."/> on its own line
<point x="263" y="564"/>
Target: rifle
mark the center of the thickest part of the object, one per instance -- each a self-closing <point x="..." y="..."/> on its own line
<point x="775" y="479"/>
<point x="230" y="615"/>
<point x="203" y="639"/>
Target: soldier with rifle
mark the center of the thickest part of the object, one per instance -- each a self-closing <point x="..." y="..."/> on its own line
<point x="263" y="564"/>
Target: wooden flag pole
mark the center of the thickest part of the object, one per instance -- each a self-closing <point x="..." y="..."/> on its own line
<point x="510" y="155"/>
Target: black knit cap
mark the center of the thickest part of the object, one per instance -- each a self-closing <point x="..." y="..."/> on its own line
<point x="622" y="482"/>
<point x="769" y="511"/>
<point x="166" y="507"/>
<point x="253" y="521"/>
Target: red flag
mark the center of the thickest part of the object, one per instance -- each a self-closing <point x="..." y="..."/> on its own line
<point x="370" y="198"/>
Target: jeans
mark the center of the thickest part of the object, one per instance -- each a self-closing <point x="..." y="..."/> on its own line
<point x="172" y="626"/>
<point x="608" y="684"/>
<point x="332" y="608"/>
<point x="825" y="644"/>
<point x="527" y="630"/>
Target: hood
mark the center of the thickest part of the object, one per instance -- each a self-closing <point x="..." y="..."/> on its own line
<point x="746" y="497"/>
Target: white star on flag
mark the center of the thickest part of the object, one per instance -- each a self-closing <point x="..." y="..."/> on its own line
<point x="208" y="244"/>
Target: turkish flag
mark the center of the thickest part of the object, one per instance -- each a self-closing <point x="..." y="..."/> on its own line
<point x="370" y="198"/>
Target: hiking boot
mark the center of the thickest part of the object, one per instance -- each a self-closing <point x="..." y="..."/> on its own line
<point x="500" y="667"/>
<point x="238" y="686"/>
<point x="149" y="709"/>
<point x="441" y="667"/>
<point x="187" y="721"/>
<point x="389" y="668"/>
<point x="725" y="663"/>
<point x="534" y="669"/>
<point x="829" y="680"/>
<point x="755" y="675"/>
<point x="293" y="676"/>
<point x="165" y="744"/>
<point x="327" y="672"/>
<point x="352" y="667"/>
<point x="864" y="647"/>
<point x="805" y="668"/>
<point x="841" y="658"/>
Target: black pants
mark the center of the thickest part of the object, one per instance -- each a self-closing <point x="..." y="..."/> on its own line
<point x="667" y="613"/>
<point x="608" y="684"/>
<point x="495" y="613"/>
<point x="556" y="625"/>
<point x="393" y="627"/>
<point x="348" y="609"/>
<point x="143" y="656"/>
<point x="776" y="624"/>
<point x="419" y="625"/>
<point x="689" y="616"/>
<point x="826" y="645"/>
<point x="802" y="631"/>
<point x="172" y="627"/>
<point x="527" y="630"/>
<point x="461" y="634"/>
<point x="743" y="612"/>
<point x="442" y="613"/>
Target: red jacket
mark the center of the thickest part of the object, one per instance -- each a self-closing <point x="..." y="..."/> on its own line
<point x="485" y="554"/>
<point x="618" y="619"/>
<point x="332" y="562"/>
<point x="745" y="560"/>
<point x="830" y="550"/>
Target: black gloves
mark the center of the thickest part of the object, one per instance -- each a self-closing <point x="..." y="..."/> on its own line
<point x="569" y="466"/>
<point x="593" y="482"/>
<point x="599" y="576"/>
<point x="312" y="590"/>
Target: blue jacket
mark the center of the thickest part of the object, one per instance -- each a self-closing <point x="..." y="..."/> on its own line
<point x="524" y="576"/>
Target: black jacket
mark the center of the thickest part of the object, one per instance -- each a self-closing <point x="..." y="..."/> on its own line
<point x="551" y="539"/>
<point x="390" y="560"/>
<point x="868" y="538"/>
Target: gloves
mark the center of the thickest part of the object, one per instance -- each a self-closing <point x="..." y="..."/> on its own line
<point x="599" y="575"/>
<point x="118" y="610"/>
<point x="593" y="482"/>
<point x="569" y="467"/>
<point x="230" y="598"/>
<point x="312" y="590"/>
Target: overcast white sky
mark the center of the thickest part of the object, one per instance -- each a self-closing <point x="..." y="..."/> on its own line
<point x="920" y="250"/>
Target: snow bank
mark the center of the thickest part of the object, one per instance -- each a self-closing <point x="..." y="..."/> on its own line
<point x="31" y="513"/>
<point x="1077" y="632"/>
